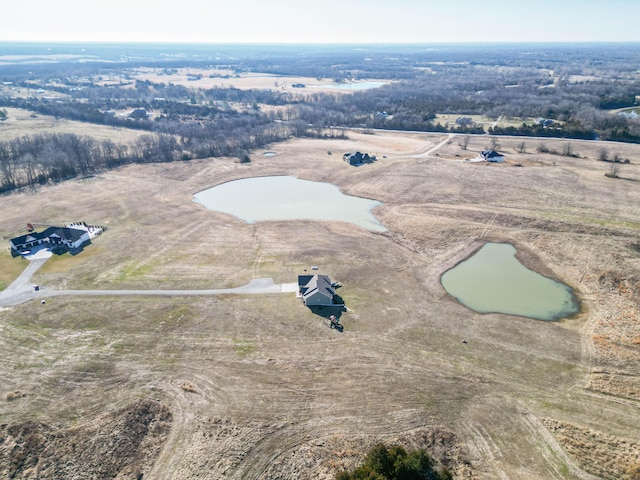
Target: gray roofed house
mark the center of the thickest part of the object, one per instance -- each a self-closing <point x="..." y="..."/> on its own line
<point x="316" y="290"/>
<point x="357" y="158"/>
<point x="139" y="113"/>
<point x="72" y="238"/>
<point x="491" y="156"/>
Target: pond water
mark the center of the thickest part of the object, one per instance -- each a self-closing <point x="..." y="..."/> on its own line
<point x="352" y="86"/>
<point x="493" y="280"/>
<point x="288" y="198"/>
<point x="269" y="154"/>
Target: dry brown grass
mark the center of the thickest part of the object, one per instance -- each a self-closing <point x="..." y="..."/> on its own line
<point x="10" y="267"/>
<point x="273" y="380"/>
<point x="212" y="78"/>
<point x="23" y="122"/>
<point x="605" y="456"/>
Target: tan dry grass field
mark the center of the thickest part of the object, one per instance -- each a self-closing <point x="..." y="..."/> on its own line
<point x="226" y="79"/>
<point x="22" y="122"/>
<point x="449" y="120"/>
<point x="260" y="387"/>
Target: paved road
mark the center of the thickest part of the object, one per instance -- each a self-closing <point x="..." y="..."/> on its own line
<point x="21" y="290"/>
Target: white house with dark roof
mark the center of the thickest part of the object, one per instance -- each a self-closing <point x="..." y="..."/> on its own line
<point x="316" y="290"/>
<point x="72" y="238"/>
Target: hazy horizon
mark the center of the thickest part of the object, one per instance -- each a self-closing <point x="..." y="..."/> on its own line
<point x="328" y="22"/>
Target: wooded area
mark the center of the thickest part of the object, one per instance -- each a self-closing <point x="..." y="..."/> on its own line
<point x="546" y="91"/>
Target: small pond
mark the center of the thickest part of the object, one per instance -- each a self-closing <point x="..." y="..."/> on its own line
<point x="493" y="280"/>
<point x="288" y="198"/>
<point x="351" y="86"/>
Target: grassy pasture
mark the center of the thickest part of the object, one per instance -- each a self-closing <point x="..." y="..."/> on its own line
<point x="273" y="392"/>
<point x="21" y="122"/>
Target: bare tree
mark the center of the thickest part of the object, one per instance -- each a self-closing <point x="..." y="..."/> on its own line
<point x="567" y="150"/>
<point x="464" y="141"/>
<point x="614" y="171"/>
<point x="603" y="154"/>
<point x="522" y="147"/>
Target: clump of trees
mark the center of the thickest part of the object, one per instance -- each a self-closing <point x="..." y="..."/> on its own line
<point x="395" y="463"/>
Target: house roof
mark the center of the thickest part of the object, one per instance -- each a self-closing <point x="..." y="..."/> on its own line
<point x="64" y="233"/>
<point x="311" y="284"/>
<point x="490" y="154"/>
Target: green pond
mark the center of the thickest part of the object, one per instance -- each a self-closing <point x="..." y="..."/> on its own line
<point x="494" y="281"/>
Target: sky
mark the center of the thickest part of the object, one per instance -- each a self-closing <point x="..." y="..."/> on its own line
<point x="321" y="21"/>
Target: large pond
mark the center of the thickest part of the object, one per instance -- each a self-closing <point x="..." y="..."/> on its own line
<point x="288" y="198"/>
<point x="493" y="280"/>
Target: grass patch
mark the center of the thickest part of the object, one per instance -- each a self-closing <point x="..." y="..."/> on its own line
<point x="67" y="262"/>
<point x="133" y="270"/>
<point x="10" y="268"/>
<point x="243" y="348"/>
<point x="448" y="119"/>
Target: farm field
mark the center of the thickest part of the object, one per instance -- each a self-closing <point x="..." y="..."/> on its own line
<point x="206" y="78"/>
<point x="449" y="120"/>
<point x="22" y="122"/>
<point x="259" y="387"/>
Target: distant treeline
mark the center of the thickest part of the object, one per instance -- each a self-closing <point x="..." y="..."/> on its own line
<point x="39" y="159"/>
<point x="573" y="87"/>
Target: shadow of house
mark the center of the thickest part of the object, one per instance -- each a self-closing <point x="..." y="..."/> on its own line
<point x="330" y="313"/>
<point x="358" y="158"/>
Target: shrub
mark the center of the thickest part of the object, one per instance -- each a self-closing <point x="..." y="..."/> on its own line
<point x="395" y="463"/>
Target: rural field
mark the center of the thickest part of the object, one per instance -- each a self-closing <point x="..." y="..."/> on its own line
<point x="258" y="386"/>
<point x="208" y="78"/>
<point x="22" y="122"/>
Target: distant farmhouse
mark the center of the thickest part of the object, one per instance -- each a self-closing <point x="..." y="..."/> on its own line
<point x="491" y="156"/>
<point x="139" y="114"/>
<point x="358" y="158"/>
<point x="317" y="290"/>
<point x="69" y="238"/>
<point x="464" y="121"/>
<point x="382" y="115"/>
<point x="544" y="122"/>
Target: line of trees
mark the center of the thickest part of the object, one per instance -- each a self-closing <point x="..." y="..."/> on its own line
<point x="38" y="159"/>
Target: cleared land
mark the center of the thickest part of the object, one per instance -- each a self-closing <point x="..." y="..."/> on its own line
<point x="449" y="120"/>
<point x="21" y="122"/>
<point x="259" y="387"/>
<point x="205" y="78"/>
